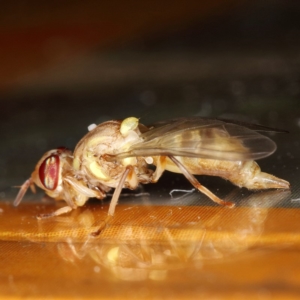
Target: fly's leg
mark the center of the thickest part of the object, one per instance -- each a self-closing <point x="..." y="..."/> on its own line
<point x="129" y="172"/>
<point x="71" y="183"/>
<point x="63" y="210"/>
<point x="118" y="190"/>
<point x="28" y="183"/>
<point x="192" y="179"/>
<point x="101" y="227"/>
<point x="60" y="211"/>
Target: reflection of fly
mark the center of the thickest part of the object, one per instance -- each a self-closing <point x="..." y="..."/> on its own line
<point x="116" y="154"/>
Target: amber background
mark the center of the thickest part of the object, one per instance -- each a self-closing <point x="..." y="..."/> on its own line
<point x="67" y="64"/>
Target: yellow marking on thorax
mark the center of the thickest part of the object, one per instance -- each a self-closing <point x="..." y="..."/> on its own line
<point x="97" y="171"/>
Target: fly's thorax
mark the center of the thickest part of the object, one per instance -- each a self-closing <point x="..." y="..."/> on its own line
<point x="106" y="140"/>
<point x="92" y="147"/>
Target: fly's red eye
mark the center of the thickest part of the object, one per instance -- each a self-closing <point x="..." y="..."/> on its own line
<point x="49" y="172"/>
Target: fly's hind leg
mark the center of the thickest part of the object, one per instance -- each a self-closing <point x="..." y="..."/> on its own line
<point x="192" y="179"/>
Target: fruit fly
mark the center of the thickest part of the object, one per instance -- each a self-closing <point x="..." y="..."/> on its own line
<point x="117" y="154"/>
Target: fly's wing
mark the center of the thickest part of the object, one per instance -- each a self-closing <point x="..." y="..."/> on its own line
<point x="203" y="138"/>
<point x="255" y="127"/>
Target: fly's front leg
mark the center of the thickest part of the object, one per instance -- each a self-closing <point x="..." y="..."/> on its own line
<point x="192" y="179"/>
<point x="83" y="194"/>
<point x="63" y="210"/>
<point x="58" y="212"/>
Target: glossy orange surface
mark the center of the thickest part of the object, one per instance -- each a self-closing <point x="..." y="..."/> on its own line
<point x="152" y="252"/>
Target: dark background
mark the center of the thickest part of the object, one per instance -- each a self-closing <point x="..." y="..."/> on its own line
<point x="65" y="65"/>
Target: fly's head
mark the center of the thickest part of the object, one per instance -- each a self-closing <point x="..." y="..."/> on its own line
<point x="48" y="173"/>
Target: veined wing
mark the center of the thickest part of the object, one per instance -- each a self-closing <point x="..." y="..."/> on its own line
<point x="203" y="138"/>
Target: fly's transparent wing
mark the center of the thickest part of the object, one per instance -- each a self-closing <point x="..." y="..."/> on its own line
<point x="203" y="138"/>
<point x="255" y="127"/>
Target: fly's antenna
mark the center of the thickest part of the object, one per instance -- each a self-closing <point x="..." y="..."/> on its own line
<point x="22" y="191"/>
